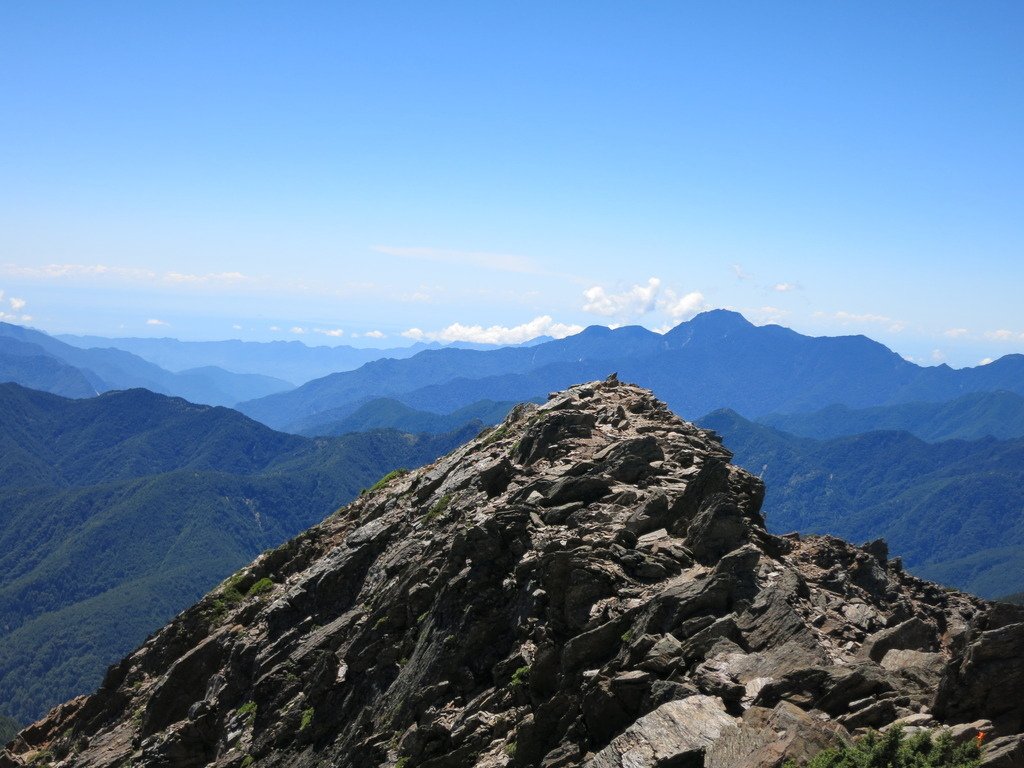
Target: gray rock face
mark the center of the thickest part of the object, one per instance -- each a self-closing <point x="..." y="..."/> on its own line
<point x="677" y="733"/>
<point x="588" y="584"/>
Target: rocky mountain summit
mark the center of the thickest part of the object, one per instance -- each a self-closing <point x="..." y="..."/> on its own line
<point x="588" y="584"/>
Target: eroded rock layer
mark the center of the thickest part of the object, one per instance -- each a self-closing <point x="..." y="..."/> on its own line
<point x="588" y="584"/>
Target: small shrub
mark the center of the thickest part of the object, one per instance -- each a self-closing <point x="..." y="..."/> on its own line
<point x="388" y="478"/>
<point x="43" y="757"/>
<point x="307" y="718"/>
<point x="248" y="711"/>
<point x="520" y="676"/>
<point x="247" y="761"/>
<point x="260" y="587"/>
<point x="402" y="762"/>
<point x="439" y="507"/>
<point x="496" y="434"/>
<point x="510" y="749"/>
<point x="892" y="750"/>
<point x="626" y="636"/>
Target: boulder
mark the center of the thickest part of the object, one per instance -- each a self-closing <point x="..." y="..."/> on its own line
<point x="768" y="738"/>
<point x="675" y="735"/>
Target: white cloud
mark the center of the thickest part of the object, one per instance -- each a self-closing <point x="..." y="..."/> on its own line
<point x="274" y="328"/>
<point x="58" y="271"/>
<point x="236" y="327"/>
<point x="681" y="308"/>
<point x="767" y="315"/>
<point x="127" y="274"/>
<point x="1002" y="335"/>
<point x="155" y="321"/>
<point x="500" y="262"/>
<point x="335" y="332"/>
<point x="297" y="329"/>
<point x="851" y="318"/>
<point x="497" y="334"/>
<point x="985" y="361"/>
<point x="786" y="287"/>
<point x="955" y="333"/>
<point x="374" y="335"/>
<point x="740" y="273"/>
<point x="938" y="356"/>
<point x="16" y="306"/>
<point x="635" y="301"/>
<point x="642" y="299"/>
<point x="211" y="277"/>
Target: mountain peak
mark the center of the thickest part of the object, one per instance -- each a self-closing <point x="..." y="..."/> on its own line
<point x="721" y="319"/>
<point x="712" y="325"/>
<point x="587" y="584"/>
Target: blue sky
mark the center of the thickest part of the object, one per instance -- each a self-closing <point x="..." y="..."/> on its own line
<point x="493" y="170"/>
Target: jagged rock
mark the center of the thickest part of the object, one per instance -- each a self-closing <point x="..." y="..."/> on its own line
<point x="590" y="583"/>
<point x="767" y="738"/>
<point x="1004" y="752"/>
<point x="912" y="635"/>
<point x="676" y="734"/>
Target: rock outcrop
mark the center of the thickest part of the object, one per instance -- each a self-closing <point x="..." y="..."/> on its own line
<point x="588" y="584"/>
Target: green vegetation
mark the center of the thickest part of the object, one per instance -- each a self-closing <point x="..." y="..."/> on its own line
<point x="971" y="417"/>
<point x="892" y="750"/>
<point x="520" y="676"/>
<point x="307" y="718"/>
<point x="262" y="586"/>
<point x="510" y="749"/>
<point x="626" y="636"/>
<point x="438" y="508"/>
<point x="248" y="711"/>
<point x="387" y="413"/>
<point x="496" y="434"/>
<point x="401" y="472"/>
<point x="402" y="762"/>
<point x="121" y="510"/>
<point x="247" y="761"/>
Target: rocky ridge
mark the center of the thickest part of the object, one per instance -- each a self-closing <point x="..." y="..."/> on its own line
<point x="588" y="584"/>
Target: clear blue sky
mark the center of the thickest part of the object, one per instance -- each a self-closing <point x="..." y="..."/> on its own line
<point x="230" y="168"/>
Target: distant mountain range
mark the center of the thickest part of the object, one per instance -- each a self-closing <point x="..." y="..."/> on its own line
<point x="34" y="359"/>
<point x="973" y="416"/>
<point x="290" y="360"/>
<point x="716" y="360"/>
<point x="385" y="413"/>
<point x="953" y="510"/>
<point x="117" y="511"/>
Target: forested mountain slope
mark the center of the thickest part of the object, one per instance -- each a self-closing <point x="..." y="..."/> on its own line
<point x="973" y="416"/>
<point x="953" y="510"/>
<point x="117" y="511"/>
